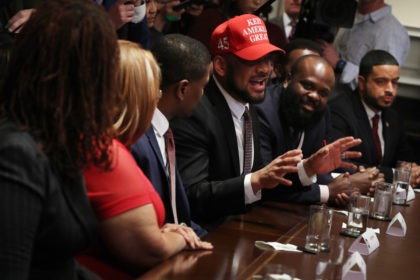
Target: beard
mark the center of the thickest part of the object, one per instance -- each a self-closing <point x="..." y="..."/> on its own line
<point x="241" y="94"/>
<point x="295" y="114"/>
<point x="372" y="102"/>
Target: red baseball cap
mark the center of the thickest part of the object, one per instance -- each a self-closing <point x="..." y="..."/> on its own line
<point x="244" y="36"/>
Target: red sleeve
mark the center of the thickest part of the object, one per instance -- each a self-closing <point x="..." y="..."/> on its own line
<point x="123" y="188"/>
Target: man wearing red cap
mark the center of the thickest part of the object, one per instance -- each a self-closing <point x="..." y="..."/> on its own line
<point x="218" y="149"/>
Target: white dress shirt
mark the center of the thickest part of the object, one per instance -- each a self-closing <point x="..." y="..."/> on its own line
<point x="160" y="125"/>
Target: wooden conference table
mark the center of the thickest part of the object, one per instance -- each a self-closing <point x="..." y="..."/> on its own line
<point x="236" y="257"/>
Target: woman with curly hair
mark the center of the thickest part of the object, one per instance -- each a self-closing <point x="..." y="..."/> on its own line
<point x="57" y="109"/>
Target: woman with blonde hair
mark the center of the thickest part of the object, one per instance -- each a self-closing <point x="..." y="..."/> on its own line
<point x="130" y="211"/>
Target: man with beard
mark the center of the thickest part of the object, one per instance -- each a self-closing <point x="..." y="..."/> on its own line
<point x="296" y="116"/>
<point x="218" y="146"/>
<point x="384" y="142"/>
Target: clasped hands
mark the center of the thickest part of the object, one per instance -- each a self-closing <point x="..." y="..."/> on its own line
<point x="192" y="240"/>
<point x="363" y="181"/>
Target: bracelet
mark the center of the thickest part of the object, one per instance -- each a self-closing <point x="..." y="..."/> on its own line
<point x="340" y="66"/>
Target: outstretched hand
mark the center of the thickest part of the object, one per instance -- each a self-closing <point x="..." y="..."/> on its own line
<point x="332" y="156"/>
<point x="273" y="173"/>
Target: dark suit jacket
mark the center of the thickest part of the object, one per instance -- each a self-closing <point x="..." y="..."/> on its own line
<point x="147" y="154"/>
<point x="349" y="117"/>
<point x="207" y="157"/>
<point x="279" y="22"/>
<point x="275" y="140"/>
<point x="46" y="217"/>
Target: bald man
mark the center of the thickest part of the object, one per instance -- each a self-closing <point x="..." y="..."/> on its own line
<point x="296" y="116"/>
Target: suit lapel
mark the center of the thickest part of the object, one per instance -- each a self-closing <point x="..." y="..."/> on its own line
<point x="386" y="130"/>
<point x="366" y="131"/>
<point x="155" y="147"/>
<point x="224" y="115"/>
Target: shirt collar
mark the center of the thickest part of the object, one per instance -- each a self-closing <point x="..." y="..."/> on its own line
<point x="160" y="122"/>
<point x="370" y="113"/>
<point x="237" y="108"/>
<point x="286" y="20"/>
<point x="374" y="16"/>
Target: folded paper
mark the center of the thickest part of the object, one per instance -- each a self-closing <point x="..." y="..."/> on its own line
<point x="350" y="274"/>
<point x="366" y="243"/>
<point x="277" y="246"/>
<point x="393" y="228"/>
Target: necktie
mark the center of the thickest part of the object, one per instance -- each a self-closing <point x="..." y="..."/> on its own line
<point x="247" y="142"/>
<point x="293" y="24"/>
<point x="296" y="136"/>
<point x="170" y="152"/>
<point x="375" y="121"/>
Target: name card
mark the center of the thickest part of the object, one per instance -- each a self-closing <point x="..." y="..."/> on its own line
<point x="370" y="243"/>
<point x="348" y="273"/>
<point x="393" y="228"/>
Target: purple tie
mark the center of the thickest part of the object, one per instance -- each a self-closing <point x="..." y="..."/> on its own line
<point x="247" y="142"/>
<point x="375" y="122"/>
<point x="293" y="24"/>
<point x="170" y="151"/>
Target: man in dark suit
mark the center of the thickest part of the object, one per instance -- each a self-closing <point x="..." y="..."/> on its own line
<point x="218" y="149"/>
<point x="182" y="87"/>
<point x="290" y="17"/>
<point x="296" y="115"/>
<point x="352" y="114"/>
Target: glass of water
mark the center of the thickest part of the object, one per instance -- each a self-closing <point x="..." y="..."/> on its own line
<point x="402" y="183"/>
<point x="319" y="228"/>
<point x="357" y="215"/>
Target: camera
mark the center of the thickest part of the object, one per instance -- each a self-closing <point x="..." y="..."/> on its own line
<point x="318" y="16"/>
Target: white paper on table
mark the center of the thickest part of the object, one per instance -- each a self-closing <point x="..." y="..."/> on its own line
<point x="395" y="230"/>
<point x="371" y="243"/>
<point x="354" y="259"/>
<point x="277" y="246"/>
<point x="411" y="195"/>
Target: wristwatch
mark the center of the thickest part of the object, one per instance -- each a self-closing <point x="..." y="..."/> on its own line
<point x="340" y="66"/>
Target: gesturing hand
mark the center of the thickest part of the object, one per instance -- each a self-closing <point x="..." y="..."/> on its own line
<point x="330" y="157"/>
<point x="272" y="174"/>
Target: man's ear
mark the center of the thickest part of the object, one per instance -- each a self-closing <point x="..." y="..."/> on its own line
<point x="182" y="89"/>
<point x="219" y="65"/>
<point x="287" y="79"/>
<point x="361" y="84"/>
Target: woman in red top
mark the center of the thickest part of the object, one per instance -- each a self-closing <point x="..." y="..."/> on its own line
<point x="130" y="211"/>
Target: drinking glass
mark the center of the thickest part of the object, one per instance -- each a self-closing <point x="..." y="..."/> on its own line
<point x="319" y="228"/>
<point x="382" y="203"/>
<point x="357" y="215"/>
<point x="402" y="183"/>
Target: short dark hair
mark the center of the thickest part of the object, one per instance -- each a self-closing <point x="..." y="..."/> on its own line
<point x="302" y="43"/>
<point x="374" y="58"/>
<point x="181" y="57"/>
<point x="61" y="83"/>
